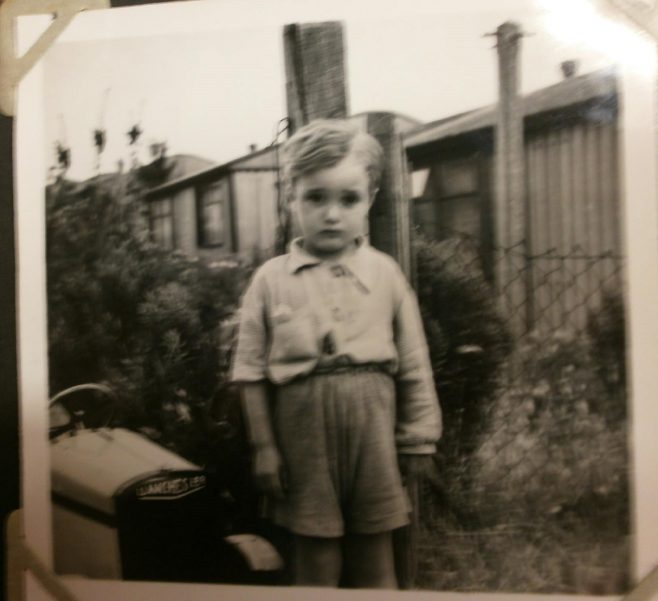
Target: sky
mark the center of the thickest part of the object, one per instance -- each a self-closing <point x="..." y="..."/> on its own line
<point x="208" y="79"/>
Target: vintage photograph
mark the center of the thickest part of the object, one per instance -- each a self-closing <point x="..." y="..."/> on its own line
<point x="338" y="298"/>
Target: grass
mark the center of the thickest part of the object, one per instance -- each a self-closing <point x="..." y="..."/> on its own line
<point x="561" y="554"/>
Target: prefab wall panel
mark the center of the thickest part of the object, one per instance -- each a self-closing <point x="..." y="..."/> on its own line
<point x="574" y="213"/>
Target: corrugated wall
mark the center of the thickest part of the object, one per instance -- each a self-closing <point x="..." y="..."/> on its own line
<point x="574" y="221"/>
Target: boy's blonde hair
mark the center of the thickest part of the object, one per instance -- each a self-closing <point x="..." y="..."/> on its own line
<point x="323" y="143"/>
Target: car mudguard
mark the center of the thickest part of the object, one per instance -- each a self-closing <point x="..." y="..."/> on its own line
<point x="259" y="554"/>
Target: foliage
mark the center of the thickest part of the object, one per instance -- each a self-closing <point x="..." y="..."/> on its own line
<point x="547" y="449"/>
<point x="468" y="339"/>
<point x="607" y="332"/>
<point x="546" y="488"/>
<point x="142" y="318"/>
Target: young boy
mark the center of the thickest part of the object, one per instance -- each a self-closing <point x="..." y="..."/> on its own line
<point x="335" y="328"/>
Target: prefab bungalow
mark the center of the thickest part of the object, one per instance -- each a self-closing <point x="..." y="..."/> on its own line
<point x="229" y="209"/>
<point x="572" y="201"/>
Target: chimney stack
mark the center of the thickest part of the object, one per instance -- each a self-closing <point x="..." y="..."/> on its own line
<point x="569" y="68"/>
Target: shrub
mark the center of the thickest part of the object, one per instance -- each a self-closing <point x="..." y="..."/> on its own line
<point x="144" y="319"/>
<point x="468" y="340"/>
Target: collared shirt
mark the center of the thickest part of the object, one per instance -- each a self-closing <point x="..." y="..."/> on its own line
<point x="300" y="313"/>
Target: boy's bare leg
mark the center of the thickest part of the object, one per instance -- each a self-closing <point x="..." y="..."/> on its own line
<point x="317" y="561"/>
<point x="369" y="560"/>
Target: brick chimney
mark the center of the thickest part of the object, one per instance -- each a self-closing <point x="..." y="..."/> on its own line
<point x="569" y="68"/>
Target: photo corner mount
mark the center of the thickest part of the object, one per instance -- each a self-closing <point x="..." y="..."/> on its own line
<point x="12" y="67"/>
<point x="20" y="559"/>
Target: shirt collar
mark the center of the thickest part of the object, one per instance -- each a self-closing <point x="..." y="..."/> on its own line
<point x="358" y="263"/>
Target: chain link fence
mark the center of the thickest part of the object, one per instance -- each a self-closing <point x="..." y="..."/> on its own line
<point x="530" y="490"/>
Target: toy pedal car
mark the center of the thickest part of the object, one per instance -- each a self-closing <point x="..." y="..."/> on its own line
<point x="126" y="508"/>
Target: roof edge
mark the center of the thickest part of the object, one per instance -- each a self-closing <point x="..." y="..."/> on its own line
<point x="569" y="92"/>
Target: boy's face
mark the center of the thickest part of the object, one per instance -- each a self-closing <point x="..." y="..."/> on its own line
<point x="331" y="206"/>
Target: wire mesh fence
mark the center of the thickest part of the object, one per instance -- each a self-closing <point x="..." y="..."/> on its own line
<point x="529" y="361"/>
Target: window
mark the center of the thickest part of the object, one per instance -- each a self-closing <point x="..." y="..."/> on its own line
<point x="162" y="222"/>
<point x="453" y="201"/>
<point x="425" y="217"/>
<point x="211" y="211"/>
<point x="459" y="202"/>
<point x="458" y="177"/>
<point x="459" y="215"/>
<point x="447" y="199"/>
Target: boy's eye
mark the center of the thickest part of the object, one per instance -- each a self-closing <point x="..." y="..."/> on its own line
<point x="314" y="196"/>
<point x="350" y="198"/>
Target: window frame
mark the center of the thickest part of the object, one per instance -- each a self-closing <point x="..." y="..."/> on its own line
<point x="154" y="219"/>
<point x="223" y="184"/>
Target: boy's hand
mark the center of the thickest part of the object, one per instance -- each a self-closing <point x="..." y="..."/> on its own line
<point x="413" y="467"/>
<point x="269" y="476"/>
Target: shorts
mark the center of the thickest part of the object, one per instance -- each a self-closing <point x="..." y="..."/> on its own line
<point x="336" y="434"/>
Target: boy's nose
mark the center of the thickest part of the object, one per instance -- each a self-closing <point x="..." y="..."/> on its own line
<point x="333" y="212"/>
